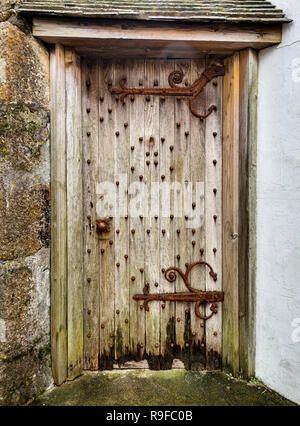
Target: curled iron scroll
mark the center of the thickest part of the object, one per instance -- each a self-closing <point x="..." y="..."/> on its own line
<point x="174" y="79"/>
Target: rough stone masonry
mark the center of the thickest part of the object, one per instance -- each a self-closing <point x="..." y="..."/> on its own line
<point x="25" y="369"/>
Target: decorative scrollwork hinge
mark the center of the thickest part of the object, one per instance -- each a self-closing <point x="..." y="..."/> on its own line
<point x="174" y="79"/>
<point x="193" y="295"/>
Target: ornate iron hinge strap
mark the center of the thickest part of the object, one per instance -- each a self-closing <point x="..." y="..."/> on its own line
<point x="194" y="295"/>
<point x="176" y="78"/>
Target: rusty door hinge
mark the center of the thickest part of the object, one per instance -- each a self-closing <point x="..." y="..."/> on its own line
<point x="193" y="295"/>
<point x="175" y="78"/>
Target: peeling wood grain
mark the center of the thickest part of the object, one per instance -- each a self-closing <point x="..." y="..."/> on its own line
<point x="231" y="213"/>
<point x="74" y="212"/>
<point x="58" y="218"/>
<point x="90" y="123"/>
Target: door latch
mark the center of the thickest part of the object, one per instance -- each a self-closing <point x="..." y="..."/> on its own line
<point x="102" y="226"/>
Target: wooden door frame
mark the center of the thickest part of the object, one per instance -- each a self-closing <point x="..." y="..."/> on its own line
<point x="239" y="205"/>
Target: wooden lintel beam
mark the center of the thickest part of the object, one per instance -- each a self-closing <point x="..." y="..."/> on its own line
<point x="91" y="33"/>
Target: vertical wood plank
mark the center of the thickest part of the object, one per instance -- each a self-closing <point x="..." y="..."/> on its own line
<point x="122" y="152"/>
<point x="231" y="213"/>
<point x="107" y="210"/>
<point x="135" y="74"/>
<point x="182" y="153"/>
<point x="74" y="210"/>
<point x="213" y="219"/>
<point x="90" y="134"/>
<point x="166" y="130"/>
<point x="58" y="218"/>
<point x="247" y="194"/>
<point x="152" y="222"/>
<point x="197" y="230"/>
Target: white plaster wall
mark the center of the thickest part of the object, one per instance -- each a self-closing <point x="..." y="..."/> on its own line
<point x="278" y="211"/>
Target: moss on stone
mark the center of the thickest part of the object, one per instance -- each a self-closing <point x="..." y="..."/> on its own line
<point x="23" y="133"/>
<point x="172" y="387"/>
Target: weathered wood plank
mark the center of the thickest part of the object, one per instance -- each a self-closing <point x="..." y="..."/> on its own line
<point x="75" y="214"/>
<point x="152" y="222"/>
<point x="135" y="74"/>
<point x="231" y="213"/>
<point x="201" y="36"/>
<point x="197" y="229"/>
<point x="106" y="209"/>
<point x="166" y="133"/>
<point x="58" y="218"/>
<point x="182" y="197"/>
<point x="247" y="200"/>
<point x="122" y="283"/>
<point x="90" y="134"/>
<point x="213" y="219"/>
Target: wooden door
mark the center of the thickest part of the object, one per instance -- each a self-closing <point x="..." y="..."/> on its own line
<point x="135" y="154"/>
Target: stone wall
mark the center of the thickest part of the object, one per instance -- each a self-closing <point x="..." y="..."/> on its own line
<point x="25" y="369"/>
